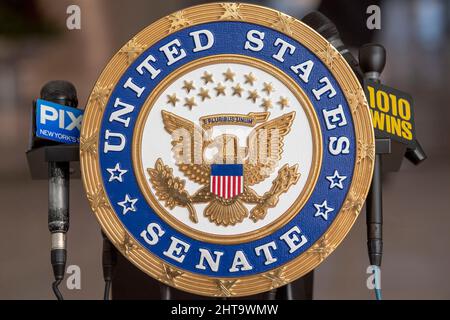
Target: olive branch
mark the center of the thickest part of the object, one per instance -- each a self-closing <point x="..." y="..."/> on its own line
<point x="287" y="176"/>
<point x="170" y="189"/>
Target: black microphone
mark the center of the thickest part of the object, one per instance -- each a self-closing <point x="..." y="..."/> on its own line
<point x="327" y="29"/>
<point x="372" y="59"/>
<point x="61" y="92"/>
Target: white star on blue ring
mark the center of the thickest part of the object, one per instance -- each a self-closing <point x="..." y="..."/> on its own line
<point x="116" y="173"/>
<point x="128" y="204"/>
<point x="336" y="180"/>
<point x="323" y="210"/>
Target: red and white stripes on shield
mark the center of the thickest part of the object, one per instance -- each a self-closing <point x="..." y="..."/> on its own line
<point x="227" y="186"/>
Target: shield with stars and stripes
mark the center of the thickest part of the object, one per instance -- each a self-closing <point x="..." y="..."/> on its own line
<point x="227" y="180"/>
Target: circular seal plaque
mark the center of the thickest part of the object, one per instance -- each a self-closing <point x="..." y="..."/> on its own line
<point x="227" y="149"/>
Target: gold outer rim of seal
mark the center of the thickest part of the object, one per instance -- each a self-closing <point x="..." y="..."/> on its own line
<point x="303" y="196"/>
<point x="227" y="286"/>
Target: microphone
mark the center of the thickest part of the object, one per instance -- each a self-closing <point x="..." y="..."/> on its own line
<point x="327" y="29"/>
<point x="372" y="59"/>
<point x="61" y="92"/>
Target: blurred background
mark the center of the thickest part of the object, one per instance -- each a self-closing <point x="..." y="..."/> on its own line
<point x="36" y="46"/>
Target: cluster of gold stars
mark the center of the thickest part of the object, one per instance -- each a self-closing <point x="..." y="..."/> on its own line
<point x="220" y="89"/>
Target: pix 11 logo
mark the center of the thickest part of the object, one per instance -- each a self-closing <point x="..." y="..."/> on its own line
<point x="58" y="122"/>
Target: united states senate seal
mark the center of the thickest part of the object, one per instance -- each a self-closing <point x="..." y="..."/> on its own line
<point x="227" y="149"/>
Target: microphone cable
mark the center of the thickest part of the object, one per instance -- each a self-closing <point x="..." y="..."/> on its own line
<point x="378" y="294"/>
<point x="56" y="291"/>
<point x="107" y="291"/>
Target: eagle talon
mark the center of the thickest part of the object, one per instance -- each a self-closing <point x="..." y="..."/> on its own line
<point x="192" y="213"/>
<point x="258" y="213"/>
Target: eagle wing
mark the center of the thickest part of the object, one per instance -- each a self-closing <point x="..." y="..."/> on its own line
<point x="265" y="146"/>
<point x="187" y="147"/>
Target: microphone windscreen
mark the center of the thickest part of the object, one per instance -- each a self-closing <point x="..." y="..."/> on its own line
<point x="372" y="58"/>
<point x="60" y="91"/>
